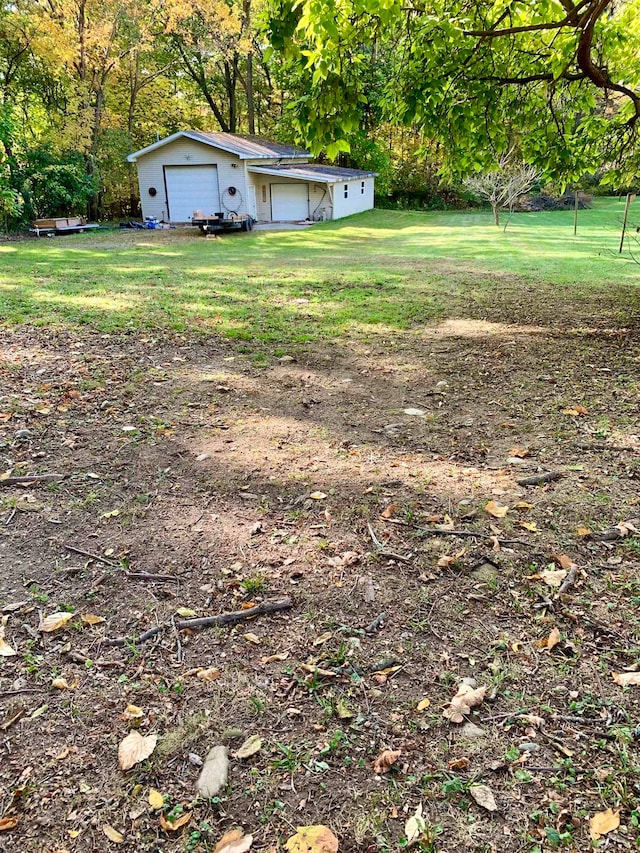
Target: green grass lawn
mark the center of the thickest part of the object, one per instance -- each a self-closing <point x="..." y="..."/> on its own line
<point x="387" y="269"/>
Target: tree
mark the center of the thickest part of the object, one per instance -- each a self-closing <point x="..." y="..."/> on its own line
<point x="503" y="186"/>
<point x="559" y="79"/>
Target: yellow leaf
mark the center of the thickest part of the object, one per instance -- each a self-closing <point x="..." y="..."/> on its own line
<point x="156" y="799"/>
<point x="603" y="822"/>
<point x="423" y="704"/>
<point x="112" y="834"/>
<point x="626" y="679"/>
<point x="234" y="842"/>
<point x="415" y="826"/>
<point x="185" y="611"/>
<point x="251" y="745"/>
<point x="313" y="839"/>
<point x="111" y="514"/>
<point x="343" y="711"/>
<point x="92" y="619"/>
<point x="252" y="638"/>
<point x="132" y="712"/>
<point x="523" y="505"/>
<point x="531" y="526"/>
<point x="211" y="674"/>
<point x="317" y="496"/>
<point x="583" y="531"/>
<point x="135" y="748"/>
<point x="60" y="684"/>
<point x="172" y="825"/>
<point x="496" y="510"/>
<point x="54" y="622"/>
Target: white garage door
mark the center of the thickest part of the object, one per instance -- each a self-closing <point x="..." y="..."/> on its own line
<point x="289" y="202"/>
<point x="191" y="188"/>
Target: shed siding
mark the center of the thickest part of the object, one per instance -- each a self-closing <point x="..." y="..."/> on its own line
<point x="185" y="152"/>
<point x="356" y="202"/>
<point x="318" y="195"/>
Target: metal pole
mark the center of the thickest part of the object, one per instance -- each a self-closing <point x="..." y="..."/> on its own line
<point x="630" y="198"/>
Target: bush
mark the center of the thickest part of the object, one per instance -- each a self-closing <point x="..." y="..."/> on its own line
<point x="52" y="185"/>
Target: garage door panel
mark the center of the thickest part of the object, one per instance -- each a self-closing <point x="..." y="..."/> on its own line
<point x="289" y="202"/>
<point x="191" y="188"/>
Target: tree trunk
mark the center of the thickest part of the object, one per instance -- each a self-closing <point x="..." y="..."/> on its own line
<point x="251" y="118"/>
<point x="496" y="214"/>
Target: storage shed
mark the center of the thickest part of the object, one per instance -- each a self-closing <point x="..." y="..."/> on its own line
<point x="211" y="173"/>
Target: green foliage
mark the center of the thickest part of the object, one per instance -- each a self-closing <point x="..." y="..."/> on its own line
<point x="56" y="186"/>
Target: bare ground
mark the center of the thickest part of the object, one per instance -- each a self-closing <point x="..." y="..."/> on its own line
<point x="184" y="459"/>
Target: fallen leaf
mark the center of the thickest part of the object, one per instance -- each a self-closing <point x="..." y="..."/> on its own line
<point x="627" y="679"/>
<point x="135" y="748"/>
<point x="214" y="773"/>
<point x="552" y="577"/>
<point x="465" y="699"/>
<point x="323" y="638"/>
<point x="275" y="658"/>
<point x="112" y="834"/>
<point x="234" y="842"/>
<point x="132" y="712"/>
<point x="483" y="795"/>
<point x="54" y="622"/>
<point x="603" y="822"/>
<point x="533" y="720"/>
<point x="415" y="826"/>
<point x="575" y="411"/>
<point x="251" y="745"/>
<point x="60" y="684"/>
<point x="389" y="511"/>
<point x="531" y="526"/>
<point x="211" y="674"/>
<point x="549" y="642"/>
<point x="458" y="764"/>
<point x="92" y="619"/>
<point x="523" y="505"/>
<point x="423" y="704"/>
<point x="112" y="514"/>
<point x="186" y="612"/>
<point x="312" y="839"/>
<point x="583" y="531"/>
<point x="385" y="760"/>
<point x="565" y="562"/>
<point x="156" y="799"/>
<point x="317" y="496"/>
<point x="520" y="452"/>
<point x="6" y="651"/>
<point x="343" y="711"/>
<point x="449" y="560"/>
<point x="252" y="638"/>
<point x="173" y="825"/>
<point x="496" y="510"/>
<point x="7" y="823"/>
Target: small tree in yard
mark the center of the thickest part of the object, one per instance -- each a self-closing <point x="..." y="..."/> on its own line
<point x="502" y="187"/>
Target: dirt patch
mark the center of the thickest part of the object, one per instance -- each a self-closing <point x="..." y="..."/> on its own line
<point x="203" y="484"/>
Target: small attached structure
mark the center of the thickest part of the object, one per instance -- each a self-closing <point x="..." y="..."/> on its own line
<point x="232" y="175"/>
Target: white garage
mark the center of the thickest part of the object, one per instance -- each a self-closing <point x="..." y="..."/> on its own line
<point x="191" y="188"/>
<point x="289" y="202"/>
<point x="238" y="176"/>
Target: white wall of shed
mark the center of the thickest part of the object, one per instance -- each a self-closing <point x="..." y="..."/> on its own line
<point x="357" y="202"/>
<point x="185" y="152"/>
<point x="319" y="197"/>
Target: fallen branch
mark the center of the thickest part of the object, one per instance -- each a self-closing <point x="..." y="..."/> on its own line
<point x="539" y="479"/>
<point x="236" y="615"/>
<point x="204" y="622"/>
<point x="621" y="531"/>
<point x="31" y="478"/>
<point x="145" y="576"/>
<point x="377" y="623"/>
<point x="91" y="556"/>
<point x="139" y="576"/>
<point x="602" y="445"/>
<point x="569" y="580"/>
<point x="381" y="552"/>
<point x="468" y="534"/>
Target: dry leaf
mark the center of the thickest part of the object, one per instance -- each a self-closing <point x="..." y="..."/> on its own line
<point x="234" y="842"/>
<point x="531" y="526"/>
<point x="552" y="577"/>
<point x="458" y="764"/>
<point x="603" y="822"/>
<point x="415" y="826"/>
<point x="132" y="712"/>
<point x="343" y="711"/>
<point x="389" y="511"/>
<point x="312" y="839"/>
<point x="583" y="532"/>
<point x="60" y="683"/>
<point x="6" y="651"/>
<point x="251" y="745"/>
<point x="574" y="411"/>
<point x="483" y="795"/>
<point x="252" y="638"/>
<point x="549" y="642"/>
<point x="275" y="658"/>
<point x="565" y="562"/>
<point x="54" y="622"/>
<point x="156" y="799"/>
<point x="423" y="704"/>
<point x="210" y="674"/>
<point x="385" y="760"/>
<point x="317" y="496"/>
<point x="465" y="699"/>
<point x="520" y="452"/>
<point x="173" y="825"/>
<point x="323" y="638"/>
<point x="523" y="505"/>
<point x="112" y="834"/>
<point x="446" y="560"/>
<point x="496" y="510"/>
<point x="627" y="679"/>
<point x="7" y="823"/>
<point x="92" y="619"/>
<point x="135" y="748"/>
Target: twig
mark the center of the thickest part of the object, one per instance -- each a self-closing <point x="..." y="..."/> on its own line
<point x="377" y="622"/>
<point x="178" y="643"/>
<point x="619" y="448"/>
<point x="236" y="615"/>
<point x="31" y="478"/>
<point x="205" y="622"/>
<point x="381" y="552"/>
<point x="9" y="518"/>
<point x="569" y="580"/>
<point x="145" y="576"/>
<point x="476" y="534"/>
<point x="91" y="556"/>
<point x="8" y="693"/>
<point x="539" y="479"/>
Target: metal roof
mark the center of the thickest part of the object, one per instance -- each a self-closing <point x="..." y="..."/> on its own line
<point x="314" y="172"/>
<point x="245" y="147"/>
